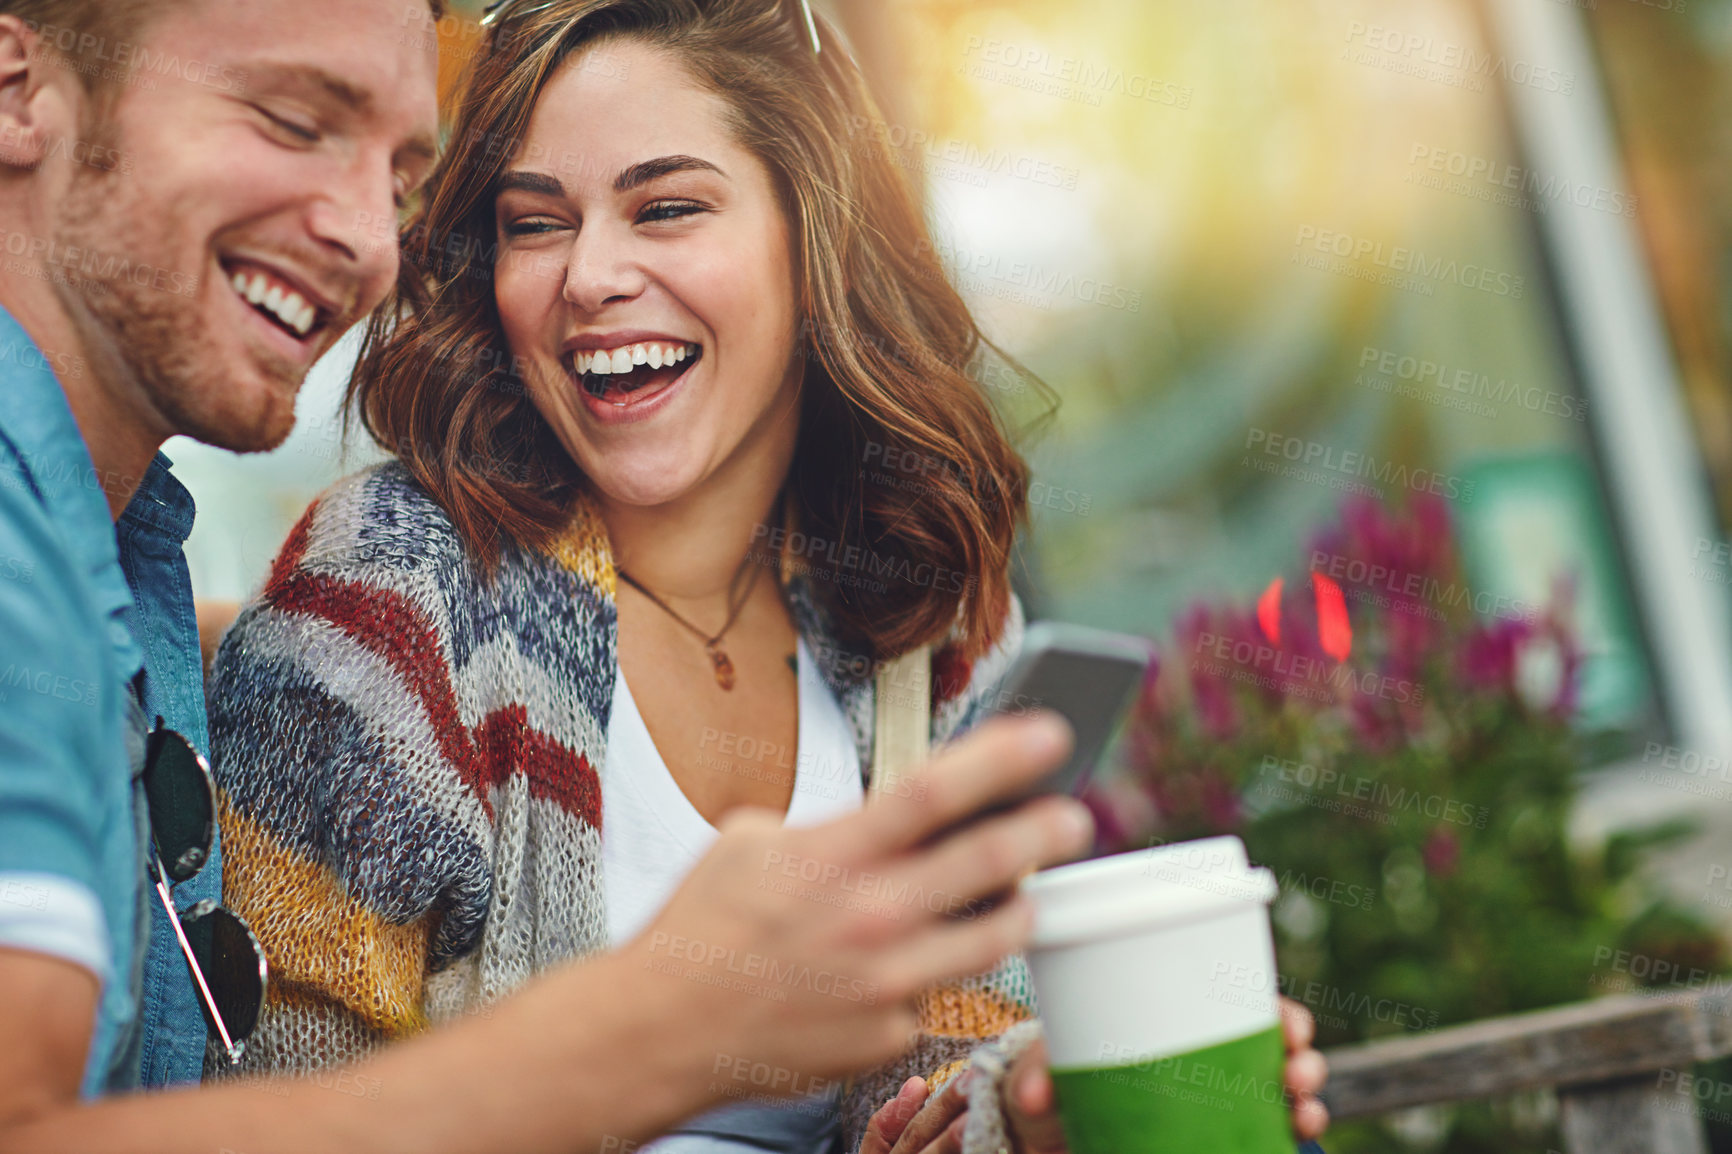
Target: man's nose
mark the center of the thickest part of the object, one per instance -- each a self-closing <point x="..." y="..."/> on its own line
<point x="356" y="220"/>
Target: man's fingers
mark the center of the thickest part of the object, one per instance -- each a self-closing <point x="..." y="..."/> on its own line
<point x="998" y="761"/>
<point x="1297" y="1025"/>
<point x="955" y="950"/>
<point x="930" y="1125"/>
<point x="1030" y="1107"/>
<point x="985" y="860"/>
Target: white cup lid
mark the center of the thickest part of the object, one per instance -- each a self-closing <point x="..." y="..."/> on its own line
<point x="1168" y="885"/>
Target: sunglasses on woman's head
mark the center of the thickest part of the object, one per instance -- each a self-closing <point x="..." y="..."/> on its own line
<point x="502" y="11"/>
<point x="224" y="958"/>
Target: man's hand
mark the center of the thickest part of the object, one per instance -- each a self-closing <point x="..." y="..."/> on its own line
<point x="806" y="948"/>
<point x="903" y="1126"/>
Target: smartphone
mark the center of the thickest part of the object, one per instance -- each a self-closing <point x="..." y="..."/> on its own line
<point x="1089" y="675"/>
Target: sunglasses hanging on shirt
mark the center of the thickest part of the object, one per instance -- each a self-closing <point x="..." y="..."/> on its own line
<point x="225" y="960"/>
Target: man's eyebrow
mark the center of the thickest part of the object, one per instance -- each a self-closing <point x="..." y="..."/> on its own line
<point x="531" y="182"/>
<point x="641" y="174"/>
<point x="338" y="89"/>
<point x="421" y="146"/>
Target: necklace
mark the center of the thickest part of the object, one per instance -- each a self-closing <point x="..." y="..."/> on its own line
<point x="724" y="668"/>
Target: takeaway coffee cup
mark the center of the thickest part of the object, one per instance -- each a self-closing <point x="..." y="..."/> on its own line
<point x="1155" y="973"/>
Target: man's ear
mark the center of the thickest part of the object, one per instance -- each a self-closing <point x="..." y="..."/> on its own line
<point x="23" y="138"/>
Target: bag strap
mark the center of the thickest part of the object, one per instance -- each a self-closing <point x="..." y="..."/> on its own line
<point x="902" y="722"/>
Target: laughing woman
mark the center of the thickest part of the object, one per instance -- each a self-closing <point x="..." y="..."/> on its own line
<point x="667" y="319"/>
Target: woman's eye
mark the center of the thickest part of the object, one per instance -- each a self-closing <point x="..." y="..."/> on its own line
<point x="669" y="210"/>
<point x="530" y="226"/>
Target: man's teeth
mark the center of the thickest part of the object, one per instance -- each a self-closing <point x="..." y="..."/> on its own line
<point x="628" y="357"/>
<point x="288" y="307"/>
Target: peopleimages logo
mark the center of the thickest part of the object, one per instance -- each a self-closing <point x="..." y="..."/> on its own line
<point x="27" y="355"/>
<point x="1407" y="262"/>
<point x="92" y="55"/>
<point x="1070" y="77"/>
<point x="1499" y="177"/>
<point x="780" y="976"/>
<point x="1419" y="51"/>
<point x="1363" y="575"/>
<point x="1382" y="795"/>
<point x="47" y="684"/>
<point x="853" y="560"/>
<point x="1365" y="466"/>
<point x="1254" y="663"/>
<point x="1467" y="384"/>
<point x="69" y="262"/>
<point x="1031" y="283"/>
<point x="962" y="154"/>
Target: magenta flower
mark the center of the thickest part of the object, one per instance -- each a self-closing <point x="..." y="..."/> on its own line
<point x="1441" y="852"/>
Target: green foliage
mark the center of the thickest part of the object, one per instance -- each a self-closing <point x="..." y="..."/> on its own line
<point x="1414" y="800"/>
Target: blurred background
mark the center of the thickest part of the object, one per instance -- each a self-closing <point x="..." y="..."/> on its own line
<point x="1417" y="308"/>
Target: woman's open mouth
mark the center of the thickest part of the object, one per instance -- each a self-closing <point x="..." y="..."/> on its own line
<point x="631" y="373"/>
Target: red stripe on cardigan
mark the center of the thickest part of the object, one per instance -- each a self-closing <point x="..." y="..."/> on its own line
<point x="508" y="744"/>
<point x="294" y="549"/>
<point x="390" y="626"/>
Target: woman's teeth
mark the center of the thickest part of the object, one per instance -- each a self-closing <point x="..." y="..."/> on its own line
<point x="288" y="307"/>
<point x="628" y="357"/>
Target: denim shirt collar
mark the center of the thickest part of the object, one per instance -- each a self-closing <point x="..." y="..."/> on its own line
<point x="161" y="511"/>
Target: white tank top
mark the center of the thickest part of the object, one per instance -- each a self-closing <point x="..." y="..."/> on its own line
<point x="651" y="838"/>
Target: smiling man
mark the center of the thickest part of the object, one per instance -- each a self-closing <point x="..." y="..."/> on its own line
<point x="187" y="191"/>
<point x="179" y="186"/>
<point x="203" y="274"/>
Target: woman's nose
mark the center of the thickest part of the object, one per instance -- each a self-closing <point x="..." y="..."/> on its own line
<point x="601" y="270"/>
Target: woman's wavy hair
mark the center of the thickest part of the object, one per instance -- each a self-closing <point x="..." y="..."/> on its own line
<point x="905" y="489"/>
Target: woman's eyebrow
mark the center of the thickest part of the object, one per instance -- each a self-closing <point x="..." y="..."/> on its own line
<point x="641" y="174"/>
<point x="531" y="182"/>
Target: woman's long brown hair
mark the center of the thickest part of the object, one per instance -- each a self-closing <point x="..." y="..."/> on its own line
<point x="906" y="491"/>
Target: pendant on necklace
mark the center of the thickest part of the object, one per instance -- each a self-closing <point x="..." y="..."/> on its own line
<point x="724" y="667"/>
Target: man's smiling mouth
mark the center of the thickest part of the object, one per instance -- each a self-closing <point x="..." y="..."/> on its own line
<point x="633" y="372"/>
<point x="276" y="300"/>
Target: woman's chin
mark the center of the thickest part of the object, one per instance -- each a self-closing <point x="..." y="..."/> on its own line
<point x="644" y="487"/>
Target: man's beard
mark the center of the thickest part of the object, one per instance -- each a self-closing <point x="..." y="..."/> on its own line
<point x="159" y="336"/>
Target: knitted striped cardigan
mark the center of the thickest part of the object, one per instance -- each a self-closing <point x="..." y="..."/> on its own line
<point x="408" y="757"/>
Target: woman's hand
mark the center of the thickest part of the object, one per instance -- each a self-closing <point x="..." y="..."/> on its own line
<point x="1033" y="1126"/>
<point x="910" y="1124"/>
<point x="902" y="1126"/>
<point x="1305" y="1073"/>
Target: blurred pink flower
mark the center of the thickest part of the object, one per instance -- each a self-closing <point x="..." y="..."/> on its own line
<point x="1490" y="652"/>
<point x="1441" y="852"/>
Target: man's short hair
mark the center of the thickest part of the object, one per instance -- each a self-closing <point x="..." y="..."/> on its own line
<point x="108" y="22"/>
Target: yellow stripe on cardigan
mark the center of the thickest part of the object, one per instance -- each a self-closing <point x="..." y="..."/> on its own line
<point x="584" y="547"/>
<point x="316" y="936"/>
<point x="951" y="1011"/>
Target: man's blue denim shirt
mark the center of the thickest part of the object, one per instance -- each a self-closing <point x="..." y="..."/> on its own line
<point x="89" y="608"/>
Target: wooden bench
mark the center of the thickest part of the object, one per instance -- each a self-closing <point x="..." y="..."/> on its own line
<point x="1621" y="1067"/>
